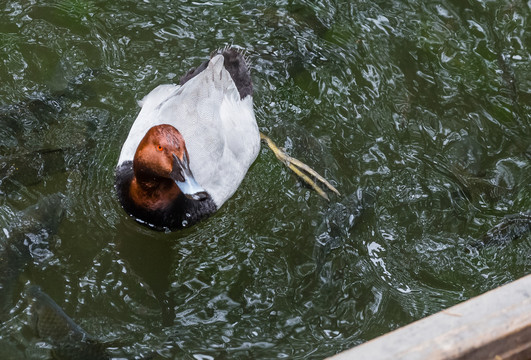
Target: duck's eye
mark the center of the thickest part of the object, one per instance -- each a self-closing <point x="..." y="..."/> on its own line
<point x="159" y="148"/>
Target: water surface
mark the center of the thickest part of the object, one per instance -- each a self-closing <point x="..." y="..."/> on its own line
<point x="418" y="112"/>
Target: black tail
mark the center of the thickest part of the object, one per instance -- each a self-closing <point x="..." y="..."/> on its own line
<point x="238" y="70"/>
<point x="236" y="66"/>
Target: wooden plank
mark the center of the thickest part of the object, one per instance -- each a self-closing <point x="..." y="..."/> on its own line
<point x="495" y="325"/>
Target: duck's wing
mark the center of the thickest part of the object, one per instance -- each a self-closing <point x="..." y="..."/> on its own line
<point x="146" y="119"/>
<point x="218" y="126"/>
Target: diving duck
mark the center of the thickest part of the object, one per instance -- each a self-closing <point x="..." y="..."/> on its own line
<point x="192" y="144"/>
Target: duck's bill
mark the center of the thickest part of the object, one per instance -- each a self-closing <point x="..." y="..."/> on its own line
<point x="182" y="175"/>
<point x="191" y="189"/>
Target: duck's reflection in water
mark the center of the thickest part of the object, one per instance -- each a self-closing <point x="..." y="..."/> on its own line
<point x="150" y="257"/>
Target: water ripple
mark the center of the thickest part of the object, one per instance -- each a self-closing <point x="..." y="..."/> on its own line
<point x="418" y="112"/>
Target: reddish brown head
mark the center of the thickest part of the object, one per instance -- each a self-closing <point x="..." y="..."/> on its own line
<point x="161" y="162"/>
<point x="154" y="155"/>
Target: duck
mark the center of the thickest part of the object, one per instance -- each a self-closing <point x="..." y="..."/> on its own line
<point x="192" y="144"/>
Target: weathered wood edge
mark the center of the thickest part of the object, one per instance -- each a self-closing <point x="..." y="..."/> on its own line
<point x="495" y="325"/>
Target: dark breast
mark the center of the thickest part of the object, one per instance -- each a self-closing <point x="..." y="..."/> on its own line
<point x="182" y="212"/>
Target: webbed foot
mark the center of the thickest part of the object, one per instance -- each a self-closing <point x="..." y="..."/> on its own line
<point x="298" y="167"/>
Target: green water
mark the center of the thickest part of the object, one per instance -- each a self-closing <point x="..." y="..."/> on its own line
<point x="418" y="111"/>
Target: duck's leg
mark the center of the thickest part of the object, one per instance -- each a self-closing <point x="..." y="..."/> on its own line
<point x="298" y="167"/>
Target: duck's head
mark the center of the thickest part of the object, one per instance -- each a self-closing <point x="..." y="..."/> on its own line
<point x="162" y="157"/>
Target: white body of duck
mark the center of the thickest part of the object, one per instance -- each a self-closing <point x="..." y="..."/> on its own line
<point x="212" y="110"/>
